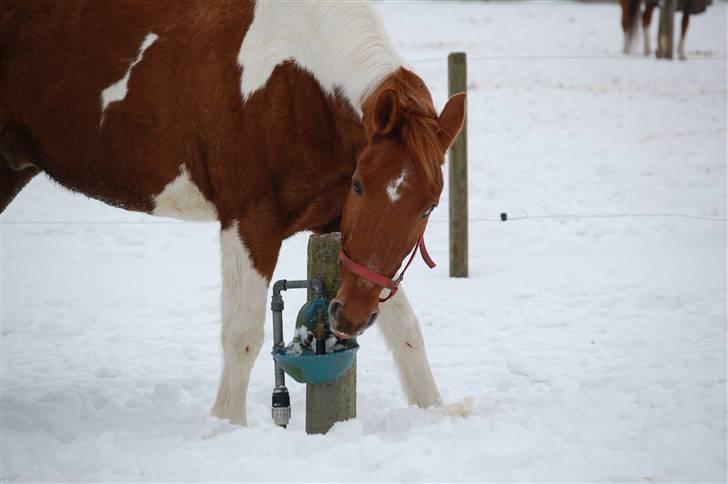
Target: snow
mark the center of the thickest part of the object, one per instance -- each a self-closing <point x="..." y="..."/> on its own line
<point x="304" y="340"/>
<point x="332" y="344"/>
<point x="594" y="348"/>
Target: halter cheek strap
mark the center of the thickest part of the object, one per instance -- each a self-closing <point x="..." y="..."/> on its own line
<point x="380" y="280"/>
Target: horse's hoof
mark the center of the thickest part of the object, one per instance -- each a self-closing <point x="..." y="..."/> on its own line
<point x="462" y="408"/>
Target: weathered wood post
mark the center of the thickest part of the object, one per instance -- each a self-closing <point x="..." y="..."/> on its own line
<point x="666" y="35"/>
<point x="458" y="174"/>
<point x="328" y="403"/>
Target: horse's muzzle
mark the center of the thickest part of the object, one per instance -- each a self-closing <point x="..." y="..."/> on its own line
<point x="342" y="327"/>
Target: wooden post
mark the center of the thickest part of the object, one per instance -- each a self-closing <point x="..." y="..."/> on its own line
<point x="666" y="35"/>
<point x="328" y="403"/>
<point x="458" y="174"/>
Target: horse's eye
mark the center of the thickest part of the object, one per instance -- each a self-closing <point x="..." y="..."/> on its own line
<point x="429" y="210"/>
<point x="356" y="186"/>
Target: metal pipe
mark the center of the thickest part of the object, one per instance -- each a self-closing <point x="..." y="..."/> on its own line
<point x="281" y="409"/>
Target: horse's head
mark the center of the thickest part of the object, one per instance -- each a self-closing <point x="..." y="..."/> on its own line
<point x="396" y="185"/>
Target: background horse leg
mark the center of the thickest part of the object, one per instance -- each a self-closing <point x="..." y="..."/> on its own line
<point x="683" y="33"/>
<point x="646" y="22"/>
<point x="11" y="182"/>
<point x="626" y="25"/>
<point x="244" y="292"/>
<point x="630" y="17"/>
<point x="401" y="330"/>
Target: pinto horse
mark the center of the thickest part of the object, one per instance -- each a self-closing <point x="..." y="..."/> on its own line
<point x="632" y="14"/>
<point x="269" y="117"/>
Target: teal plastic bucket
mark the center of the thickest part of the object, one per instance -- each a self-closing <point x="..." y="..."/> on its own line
<point x="309" y="367"/>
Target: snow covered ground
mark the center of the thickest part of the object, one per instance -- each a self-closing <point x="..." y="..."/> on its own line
<point x="595" y="349"/>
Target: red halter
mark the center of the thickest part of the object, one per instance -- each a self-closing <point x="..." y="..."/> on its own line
<point x="380" y="280"/>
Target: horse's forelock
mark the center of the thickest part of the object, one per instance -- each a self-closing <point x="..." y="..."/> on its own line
<point x="420" y="138"/>
<point x="419" y="126"/>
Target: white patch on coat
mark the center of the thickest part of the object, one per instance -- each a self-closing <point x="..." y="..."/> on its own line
<point x="401" y="330"/>
<point x="244" y="292"/>
<point x="393" y="187"/>
<point x="182" y="199"/>
<point x="341" y="43"/>
<point x="117" y="91"/>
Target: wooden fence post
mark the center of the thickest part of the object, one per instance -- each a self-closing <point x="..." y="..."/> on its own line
<point x="328" y="403"/>
<point x="458" y="174"/>
<point x="666" y="36"/>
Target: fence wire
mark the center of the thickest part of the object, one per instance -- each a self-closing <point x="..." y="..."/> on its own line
<point x="527" y="216"/>
<point x="559" y="57"/>
<point x="500" y="219"/>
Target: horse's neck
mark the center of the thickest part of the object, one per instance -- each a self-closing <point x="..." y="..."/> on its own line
<point x="322" y="144"/>
<point x="342" y="44"/>
<point x="332" y="136"/>
<point x="344" y="48"/>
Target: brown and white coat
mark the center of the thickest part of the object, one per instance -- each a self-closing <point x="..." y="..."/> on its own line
<point x="257" y="115"/>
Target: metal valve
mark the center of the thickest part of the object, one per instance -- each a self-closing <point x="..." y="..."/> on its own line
<point x="281" y="409"/>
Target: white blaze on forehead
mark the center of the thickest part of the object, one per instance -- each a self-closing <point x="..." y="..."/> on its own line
<point x="393" y="187"/>
<point x="117" y="91"/>
<point x="342" y="44"/>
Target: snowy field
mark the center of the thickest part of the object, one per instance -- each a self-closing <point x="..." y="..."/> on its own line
<point x="595" y="349"/>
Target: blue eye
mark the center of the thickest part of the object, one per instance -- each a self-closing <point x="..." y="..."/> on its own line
<point x="356" y="186"/>
<point x="428" y="211"/>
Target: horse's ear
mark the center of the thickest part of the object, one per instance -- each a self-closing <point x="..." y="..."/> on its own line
<point x="387" y="114"/>
<point x="451" y="119"/>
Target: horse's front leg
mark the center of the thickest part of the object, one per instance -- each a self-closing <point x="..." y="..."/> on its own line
<point x="401" y="331"/>
<point x="244" y="290"/>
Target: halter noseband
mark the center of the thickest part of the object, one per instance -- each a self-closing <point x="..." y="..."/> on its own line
<point x="380" y="280"/>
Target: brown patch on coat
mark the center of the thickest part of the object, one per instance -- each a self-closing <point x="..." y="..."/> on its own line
<point x="279" y="163"/>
